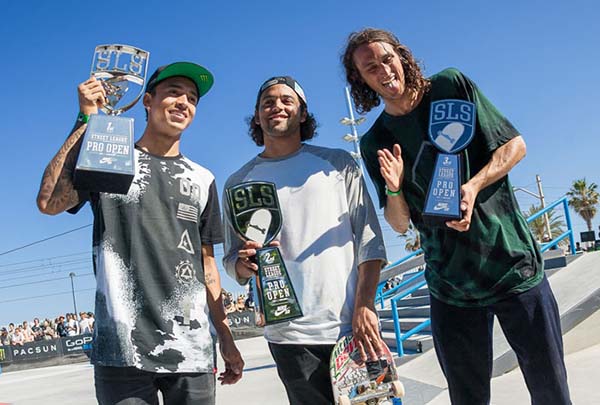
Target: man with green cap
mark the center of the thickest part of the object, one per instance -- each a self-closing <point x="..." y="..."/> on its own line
<point x="158" y="301"/>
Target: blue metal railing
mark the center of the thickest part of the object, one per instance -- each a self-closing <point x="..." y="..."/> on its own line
<point x="392" y="291"/>
<point x="382" y="295"/>
<point x="404" y="289"/>
<point x="401" y="337"/>
<point x="569" y="231"/>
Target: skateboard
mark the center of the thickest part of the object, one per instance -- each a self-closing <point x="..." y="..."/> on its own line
<point x="363" y="383"/>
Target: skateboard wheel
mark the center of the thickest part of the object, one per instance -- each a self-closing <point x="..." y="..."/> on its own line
<point x="397" y="389"/>
<point x="344" y="400"/>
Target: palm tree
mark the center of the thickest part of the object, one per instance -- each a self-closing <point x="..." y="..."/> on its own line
<point x="538" y="226"/>
<point x="584" y="199"/>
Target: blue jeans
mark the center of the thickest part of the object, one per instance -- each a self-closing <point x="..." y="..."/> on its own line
<point x="130" y="386"/>
<point x="531" y="323"/>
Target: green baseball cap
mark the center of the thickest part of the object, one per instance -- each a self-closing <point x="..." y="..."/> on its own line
<point x="196" y="73"/>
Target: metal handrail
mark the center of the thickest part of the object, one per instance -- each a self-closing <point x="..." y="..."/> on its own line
<point x="400" y="337"/>
<point x="548" y="245"/>
<point x="405" y="258"/>
<point x="392" y="291"/>
<point x="381" y="296"/>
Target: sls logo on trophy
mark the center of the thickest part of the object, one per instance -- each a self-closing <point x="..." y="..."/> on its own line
<point x="451" y="129"/>
<point x="105" y="162"/>
<point x="255" y="215"/>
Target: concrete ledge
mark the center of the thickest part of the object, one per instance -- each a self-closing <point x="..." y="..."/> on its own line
<point x="577" y="292"/>
<point x="558" y="260"/>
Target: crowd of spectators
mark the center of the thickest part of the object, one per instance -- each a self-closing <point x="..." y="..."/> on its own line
<point x="70" y="325"/>
<point x="239" y="304"/>
<point x="61" y="326"/>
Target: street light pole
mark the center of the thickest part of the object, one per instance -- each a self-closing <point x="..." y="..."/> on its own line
<point x="72" y="275"/>
<point x="538" y="180"/>
<point x="539" y="196"/>
<point x="352" y="123"/>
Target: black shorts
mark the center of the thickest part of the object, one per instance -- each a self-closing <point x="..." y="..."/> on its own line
<point x="304" y="371"/>
<point x="130" y="386"/>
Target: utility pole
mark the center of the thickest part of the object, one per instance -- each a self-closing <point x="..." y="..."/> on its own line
<point x="72" y="275"/>
<point x="538" y="180"/>
<point x="539" y="196"/>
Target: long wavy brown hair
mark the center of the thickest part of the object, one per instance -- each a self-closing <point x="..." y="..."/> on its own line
<point x="364" y="97"/>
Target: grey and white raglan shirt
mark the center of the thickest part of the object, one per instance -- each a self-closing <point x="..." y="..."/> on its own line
<point x="151" y="306"/>
<point x="329" y="228"/>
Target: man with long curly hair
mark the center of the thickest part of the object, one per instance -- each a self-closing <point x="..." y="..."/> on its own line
<point x="330" y="241"/>
<point x="487" y="262"/>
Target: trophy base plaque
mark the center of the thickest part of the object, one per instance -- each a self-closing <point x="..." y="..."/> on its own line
<point x="443" y="197"/>
<point x="106" y="162"/>
<point x="277" y="297"/>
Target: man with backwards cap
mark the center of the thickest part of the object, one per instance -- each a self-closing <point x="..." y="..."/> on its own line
<point x="330" y="241"/>
<point x="157" y="279"/>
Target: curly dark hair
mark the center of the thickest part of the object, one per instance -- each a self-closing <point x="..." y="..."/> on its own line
<point x="308" y="128"/>
<point x="364" y="97"/>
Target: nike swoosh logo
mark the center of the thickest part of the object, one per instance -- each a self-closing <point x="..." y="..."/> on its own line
<point x="441" y="206"/>
<point x="281" y="310"/>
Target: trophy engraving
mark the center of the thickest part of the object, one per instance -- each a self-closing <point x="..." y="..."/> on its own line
<point x="106" y="162"/>
<point x="256" y="215"/>
<point x="451" y="129"/>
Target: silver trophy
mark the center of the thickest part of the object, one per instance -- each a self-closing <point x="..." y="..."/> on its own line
<point x="106" y="162"/>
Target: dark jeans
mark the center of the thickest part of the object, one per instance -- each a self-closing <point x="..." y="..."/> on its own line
<point x="130" y="386"/>
<point x="531" y="323"/>
<point x="304" y="371"/>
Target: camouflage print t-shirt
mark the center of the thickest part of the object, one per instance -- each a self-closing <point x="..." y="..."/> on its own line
<point x="498" y="256"/>
<point x="151" y="310"/>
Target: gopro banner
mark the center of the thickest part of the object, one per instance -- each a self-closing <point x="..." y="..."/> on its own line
<point x="76" y="344"/>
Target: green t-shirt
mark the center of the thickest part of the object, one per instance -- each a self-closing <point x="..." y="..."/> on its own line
<point x="498" y="256"/>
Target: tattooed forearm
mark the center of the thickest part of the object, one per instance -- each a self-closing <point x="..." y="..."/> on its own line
<point x="209" y="278"/>
<point x="212" y="280"/>
<point x="56" y="192"/>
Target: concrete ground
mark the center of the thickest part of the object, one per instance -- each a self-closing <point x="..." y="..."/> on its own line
<point x="73" y="384"/>
<point x="582" y="358"/>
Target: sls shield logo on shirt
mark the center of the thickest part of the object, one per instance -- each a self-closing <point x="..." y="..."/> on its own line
<point x="451" y="124"/>
<point x="255" y="212"/>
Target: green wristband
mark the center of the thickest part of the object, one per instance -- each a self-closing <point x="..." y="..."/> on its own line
<point x="393" y="193"/>
<point x="83" y="118"/>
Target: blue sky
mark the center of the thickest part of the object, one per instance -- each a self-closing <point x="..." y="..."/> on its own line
<point x="537" y="61"/>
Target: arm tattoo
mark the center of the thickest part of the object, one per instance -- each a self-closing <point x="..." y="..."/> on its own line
<point x="56" y="190"/>
<point x="209" y="278"/>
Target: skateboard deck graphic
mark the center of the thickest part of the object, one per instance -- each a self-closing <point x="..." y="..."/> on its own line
<point x="259" y="225"/>
<point x="357" y="383"/>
